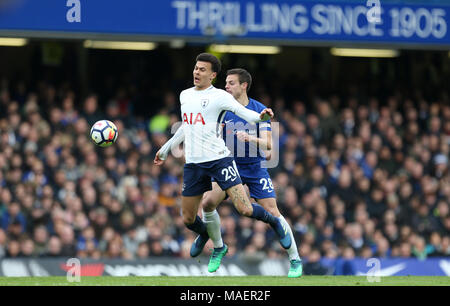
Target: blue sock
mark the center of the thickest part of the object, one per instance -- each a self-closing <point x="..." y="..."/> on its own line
<point x="259" y="213"/>
<point x="198" y="226"/>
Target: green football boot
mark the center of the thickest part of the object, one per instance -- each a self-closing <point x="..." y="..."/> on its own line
<point x="216" y="258"/>
<point x="296" y="269"/>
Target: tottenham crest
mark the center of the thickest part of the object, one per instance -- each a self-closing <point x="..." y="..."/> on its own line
<point x="204" y="102"/>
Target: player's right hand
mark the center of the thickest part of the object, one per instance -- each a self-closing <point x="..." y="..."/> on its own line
<point x="158" y="160"/>
<point x="266" y="114"/>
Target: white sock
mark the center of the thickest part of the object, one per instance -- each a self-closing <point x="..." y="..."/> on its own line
<point x="292" y="251"/>
<point x="212" y="220"/>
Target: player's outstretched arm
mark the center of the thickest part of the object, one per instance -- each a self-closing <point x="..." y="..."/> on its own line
<point x="176" y="139"/>
<point x="248" y="115"/>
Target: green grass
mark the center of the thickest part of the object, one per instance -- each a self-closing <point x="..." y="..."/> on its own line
<point x="228" y="281"/>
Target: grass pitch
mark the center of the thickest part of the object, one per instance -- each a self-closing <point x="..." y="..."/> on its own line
<point x="228" y="281"/>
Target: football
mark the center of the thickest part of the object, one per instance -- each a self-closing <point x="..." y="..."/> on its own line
<point x="104" y="133"/>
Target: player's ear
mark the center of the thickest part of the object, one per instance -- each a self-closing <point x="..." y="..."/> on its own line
<point x="213" y="75"/>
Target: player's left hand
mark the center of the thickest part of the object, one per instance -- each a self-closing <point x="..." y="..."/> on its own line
<point x="158" y="159"/>
<point x="266" y="114"/>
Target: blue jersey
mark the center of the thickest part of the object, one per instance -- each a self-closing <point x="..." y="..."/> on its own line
<point x="247" y="153"/>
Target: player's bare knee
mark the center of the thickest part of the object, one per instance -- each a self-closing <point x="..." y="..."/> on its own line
<point x="208" y="205"/>
<point x="188" y="219"/>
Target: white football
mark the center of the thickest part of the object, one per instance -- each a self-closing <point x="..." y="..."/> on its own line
<point x="104" y="133"/>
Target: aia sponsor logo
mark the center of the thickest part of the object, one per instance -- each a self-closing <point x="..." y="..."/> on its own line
<point x="190" y="119"/>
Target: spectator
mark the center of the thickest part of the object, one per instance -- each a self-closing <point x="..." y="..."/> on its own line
<point x="90" y="110"/>
<point x="423" y="221"/>
<point x="86" y="240"/>
<point x="366" y="252"/>
<point x="444" y="248"/>
<point x="15" y="229"/>
<point x="69" y="113"/>
<point x="106" y="236"/>
<point x="68" y="247"/>
<point x="420" y="250"/>
<point x="13" y="217"/>
<point x="160" y="122"/>
<point x="352" y="178"/>
<point x="354" y="234"/>
<point x="143" y="250"/>
<point x="313" y="265"/>
<point x="54" y="247"/>
<point x="13" y="249"/>
<point x="115" y="248"/>
<point x="131" y="240"/>
<point x="170" y="246"/>
<point x="3" y="243"/>
<point x="156" y="249"/>
<point x="40" y="237"/>
<point x="27" y="247"/>
<point x="382" y="248"/>
<point x="348" y="254"/>
<point x="405" y="250"/>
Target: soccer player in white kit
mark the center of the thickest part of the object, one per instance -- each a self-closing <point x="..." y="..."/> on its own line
<point x="203" y="108"/>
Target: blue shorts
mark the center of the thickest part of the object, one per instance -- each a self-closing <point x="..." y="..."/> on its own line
<point x="197" y="177"/>
<point x="257" y="180"/>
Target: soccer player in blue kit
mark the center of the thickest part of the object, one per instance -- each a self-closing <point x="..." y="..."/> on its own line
<point x="207" y="157"/>
<point x="249" y="165"/>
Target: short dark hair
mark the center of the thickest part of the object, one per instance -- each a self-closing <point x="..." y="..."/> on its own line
<point x="244" y="76"/>
<point x="208" y="57"/>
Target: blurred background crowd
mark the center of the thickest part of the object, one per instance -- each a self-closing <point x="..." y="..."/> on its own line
<point x="356" y="178"/>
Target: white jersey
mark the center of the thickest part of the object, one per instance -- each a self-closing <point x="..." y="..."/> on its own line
<point x="202" y="112"/>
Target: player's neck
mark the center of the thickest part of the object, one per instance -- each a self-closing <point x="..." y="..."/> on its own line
<point x="203" y="87"/>
<point x="244" y="100"/>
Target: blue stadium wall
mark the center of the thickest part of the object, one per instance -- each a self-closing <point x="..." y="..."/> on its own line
<point x="417" y="24"/>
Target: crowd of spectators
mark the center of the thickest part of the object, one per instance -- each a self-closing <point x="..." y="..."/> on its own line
<point x="354" y="178"/>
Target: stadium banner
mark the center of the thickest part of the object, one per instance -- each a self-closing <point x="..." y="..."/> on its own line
<point x="436" y="266"/>
<point x="150" y="267"/>
<point x="232" y="267"/>
<point x="374" y="22"/>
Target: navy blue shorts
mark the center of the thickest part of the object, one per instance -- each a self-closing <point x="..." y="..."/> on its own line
<point x="197" y="177"/>
<point x="257" y="180"/>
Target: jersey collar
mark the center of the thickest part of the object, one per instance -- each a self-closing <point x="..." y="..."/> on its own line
<point x="210" y="87"/>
